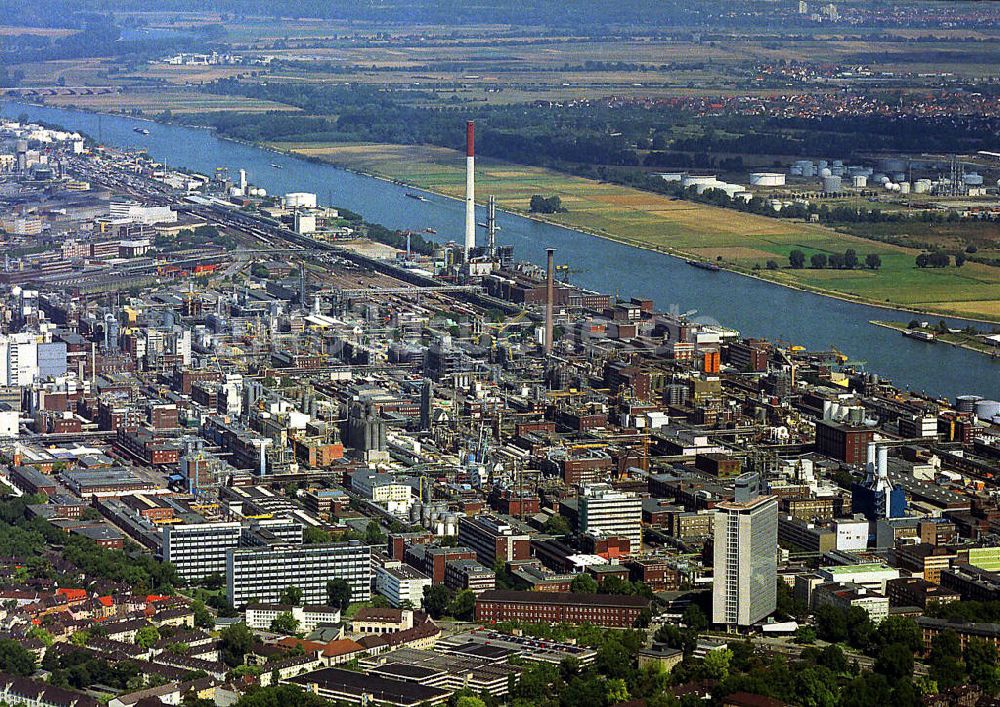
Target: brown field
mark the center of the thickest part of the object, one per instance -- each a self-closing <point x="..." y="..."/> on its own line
<point x="174" y="100"/>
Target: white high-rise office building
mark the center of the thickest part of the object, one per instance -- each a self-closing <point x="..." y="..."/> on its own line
<point x="605" y="512"/>
<point x="744" y="590"/>
<point x="198" y="550"/>
<point x="18" y="359"/>
<point x="261" y="574"/>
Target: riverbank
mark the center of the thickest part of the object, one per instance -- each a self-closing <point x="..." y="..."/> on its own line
<point x="436" y="171"/>
<point x="969" y="342"/>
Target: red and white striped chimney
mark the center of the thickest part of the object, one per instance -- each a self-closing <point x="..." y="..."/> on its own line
<point x="470" y="187"/>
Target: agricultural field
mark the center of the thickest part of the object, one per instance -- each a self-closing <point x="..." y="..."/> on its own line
<point x="742" y="241"/>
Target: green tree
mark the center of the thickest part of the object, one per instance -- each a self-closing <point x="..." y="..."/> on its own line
<point x="556" y="525"/>
<point x="436" y="600"/>
<point x="15" y="659"/>
<point x="873" y="261"/>
<point x="850" y="259"/>
<point x="315" y="536"/>
<point x="716" y="664"/>
<point x="338" y="593"/>
<point x="797" y="259"/>
<point x="895" y="661"/>
<point x="291" y="595"/>
<point x="694" y="618"/>
<point x="818" y="261"/>
<point x="616" y="691"/>
<point x="772" y="265"/>
<point x="463" y="606"/>
<point x="147" y="636"/>
<point x="283" y="695"/>
<point x="235" y="641"/>
<point x="469" y="701"/>
<point x="900" y="629"/>
<point x="374" y="534"/>
<point x="583" y="583"/>
<point x="285" y="623"/>
<point x="946" y="665"/>
<point x="983" y="663"/>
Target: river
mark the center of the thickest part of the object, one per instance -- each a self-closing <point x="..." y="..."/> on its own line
<point x="755" y="307"/>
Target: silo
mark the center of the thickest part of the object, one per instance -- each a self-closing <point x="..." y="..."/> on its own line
<point x="967" y="403"/>
<point x="859" y="181"/>
<point x="921" y="186"/>
<point x="904" y="187"/>
<point x="831" y="184"/>
<point x="987" y="409"/>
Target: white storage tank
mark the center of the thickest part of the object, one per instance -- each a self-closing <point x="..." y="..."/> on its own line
<point x="299" y="200"/>
<point x="825" y="172"/>
<point x="859" y="181"/>
<point x="921" y="186"/>
<point x="904" y="187"/>
<point x="973" y="179"/>
<point x="987" y="409"/>
<point x="695" y="179"/>
<point x="831" y="184"/>
<point x="767" y="179"/>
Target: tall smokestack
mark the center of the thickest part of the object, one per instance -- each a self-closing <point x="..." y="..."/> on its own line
<point x="550" y="292"/>
<point x="470" y="187"/>
<point x="491" y="227"/>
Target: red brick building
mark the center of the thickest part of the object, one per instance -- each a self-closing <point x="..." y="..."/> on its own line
<point x="611" y="610"/>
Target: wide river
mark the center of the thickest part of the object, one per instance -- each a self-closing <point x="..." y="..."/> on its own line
<point x="755" y="307"/>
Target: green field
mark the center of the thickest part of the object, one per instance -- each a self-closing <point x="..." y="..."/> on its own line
<point x="744" y="242"/>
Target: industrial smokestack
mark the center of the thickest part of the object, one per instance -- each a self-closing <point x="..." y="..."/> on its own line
<point x="470" y="187"/>
<point x="491" y="227"/>
<point x="550" y="292"/>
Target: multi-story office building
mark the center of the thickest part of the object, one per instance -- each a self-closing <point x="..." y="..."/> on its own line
<point x="493" y="540"/>
<point x="262" y="573"/>
<point x="401" y="583"/>
<point x="198" y="550"/>
<point x="605" y="512"/>
<point x="554" y="607"/>
<point x="745" y="561"/>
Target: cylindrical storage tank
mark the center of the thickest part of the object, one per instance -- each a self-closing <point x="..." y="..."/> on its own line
<point x="767" y="179"/>
<point x="808" y="170"/>
<point x="695" y="179"/>
<point x="262" y="192"/>
<point x="859" y="181"/>
<point x="987" y="409"/>
<point x="831" y="184"/>
<point x="825" y="172"/>
<point x="857" y="415"/>
<point x="823" y="164"/>
<point x="837" y="171"/>
<point x="904" y="187"/>
<point x="415" y="512"/>
<point x="973" y="179"/>
<point x="967" y="403"/>
<point x="795" y="171"/>
<point x="235" y="191"/>
<point x="838" y="163"/>
<point x="300" y="199"/>
<point x="921" y="186"/>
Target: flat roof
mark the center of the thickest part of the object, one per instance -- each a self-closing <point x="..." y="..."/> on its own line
<point x="381" y="689"/>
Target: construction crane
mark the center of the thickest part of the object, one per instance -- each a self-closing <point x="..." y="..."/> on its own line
<point x="565" y="271"/>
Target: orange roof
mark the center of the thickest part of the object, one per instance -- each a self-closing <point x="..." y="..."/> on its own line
<point x="343" y="646"/>
<point x="106" y="601"/>
<point x="307" y="646"/>
<point x="153" y="598"/>
<point x="72" y="594"/>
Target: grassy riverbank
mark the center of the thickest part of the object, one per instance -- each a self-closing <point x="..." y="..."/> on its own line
<point x="973" y="341"/>
<point x="744" y="242"/>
